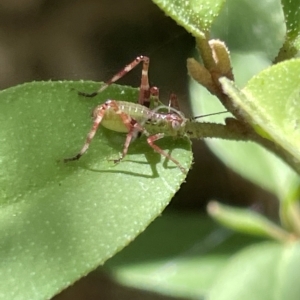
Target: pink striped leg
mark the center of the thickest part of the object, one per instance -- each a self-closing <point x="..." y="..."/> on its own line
<point x="144" y="96"/>
<point x="173" y="102"/>
<point x="99" y="113"/>
<point x="154" y="93"/>
<point x="132" y="133"/>
<point x="152" y="139"/>
<point x="98" y="118"/>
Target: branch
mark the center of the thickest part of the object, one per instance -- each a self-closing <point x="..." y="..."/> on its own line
<point x="236" y="131"/>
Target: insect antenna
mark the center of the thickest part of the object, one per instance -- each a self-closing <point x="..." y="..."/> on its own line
<point x="208" y="115"/>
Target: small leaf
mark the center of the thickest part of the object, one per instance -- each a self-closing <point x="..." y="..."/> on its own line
<point x="196" y="16"/>
<point x="246" y="221"/>
<point x="291" y="11"/>
<point x="272" y="106"/>
<point x="59" y="221"/>
<point x="291" y="47"/>
<point x="250" y="160"/>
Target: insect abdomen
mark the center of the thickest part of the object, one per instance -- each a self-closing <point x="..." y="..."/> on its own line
<point x="112" y="120"/>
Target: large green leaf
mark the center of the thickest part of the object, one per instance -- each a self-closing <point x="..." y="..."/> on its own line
<point x="196" y="16"/>
<point x="261" y="33"/>
<point x="192" y="251"/>
<point x="265" y="271"/>
<point x="59" y="221"/>
<point x="198" y="259"/>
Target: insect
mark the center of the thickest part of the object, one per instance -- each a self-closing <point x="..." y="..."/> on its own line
<point x="138" y="118"/>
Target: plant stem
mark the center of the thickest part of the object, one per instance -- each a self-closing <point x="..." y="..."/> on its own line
<point x="237" y="131"/>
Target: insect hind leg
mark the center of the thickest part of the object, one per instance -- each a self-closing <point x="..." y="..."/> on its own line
<point x="152" y="139"/>
<point x="134" y="130"/>
<point x="101" y="111"/>
<point x="98" y="115"/>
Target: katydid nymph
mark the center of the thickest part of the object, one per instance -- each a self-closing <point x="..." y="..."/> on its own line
<point x="137" y="118"/>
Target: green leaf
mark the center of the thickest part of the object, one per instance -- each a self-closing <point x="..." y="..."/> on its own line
<point x="251" y="51"/>
<point x="246" y="221"/>
<point x="192" y="251"/>
<point x="196" y="16"/>
<point x="59" y="221"/>
<point x="290" y="208"/>
<point x="271" y="101"/>
<point x="265" y="271"/>
<point x="291" y="47"/>
<point x="262" y="33"/>
<point x="248" y="159"/>
<point x="291" y="11"/>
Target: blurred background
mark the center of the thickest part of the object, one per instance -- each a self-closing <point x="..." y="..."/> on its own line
<point x="93" y="39"/>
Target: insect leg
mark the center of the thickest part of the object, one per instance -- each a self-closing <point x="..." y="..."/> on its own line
<point x="144" y="96"/>
<point x="98" y="114"/>
<point x="154" y="92"/>
<point x="125" y="148"/>
<point x="152" y="139"/>
<point x="173" y="102"/>
<point x="134" y="129"/>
